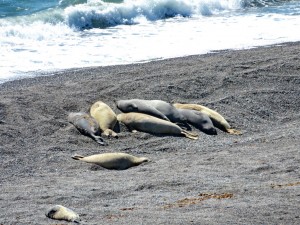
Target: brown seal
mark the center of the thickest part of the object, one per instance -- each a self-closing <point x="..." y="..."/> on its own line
<point x="218" y="120"/>
<point x="113" y="161"/>
<point x="60" y="212"/>
<point x="105" y="116"/>
<point x="150" y="124"/>
<point x="86" y="125"/>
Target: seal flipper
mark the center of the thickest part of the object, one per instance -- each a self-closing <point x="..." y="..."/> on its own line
<point x="76" y="221"/>
<point x="99" y="140"/>
<point x="110" y="133"/>
<point x="234" y="131"/>
<point x="189" y="135"/>
<point x="77" y="157"/>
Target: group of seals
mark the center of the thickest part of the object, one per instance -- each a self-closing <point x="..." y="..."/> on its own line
<point x="150" y="116"/>
<point x="217" y="120"/>
<point x="201" y="117"/>
<point x="102" y="120"/>
<point x="157" y="108"/>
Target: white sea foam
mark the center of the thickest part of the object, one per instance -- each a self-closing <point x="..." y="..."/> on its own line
<point x="55" y="38"/>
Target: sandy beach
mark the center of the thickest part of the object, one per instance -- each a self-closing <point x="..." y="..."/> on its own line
<point x="253" y="178"/>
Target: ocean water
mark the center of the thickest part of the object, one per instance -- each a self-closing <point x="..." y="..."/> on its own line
<point x="38" y="36"/>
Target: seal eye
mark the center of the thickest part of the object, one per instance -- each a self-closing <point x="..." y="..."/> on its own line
<point x="132" y="108"/>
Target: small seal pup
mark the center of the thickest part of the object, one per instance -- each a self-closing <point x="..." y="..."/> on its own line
<point x="199" y="120"/>
<point x="106" y="118"/>
<point x="150" y="124"/>
<point x="113" y="161"/>
<point x="157" y="108"/>
<point x="60" y="212"/>
<point x="218" y="120"/>
<point x="86" y="125"/>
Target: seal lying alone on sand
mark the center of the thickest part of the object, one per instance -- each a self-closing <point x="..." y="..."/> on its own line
<point x="218" y="120"/>
<point x="86" y="125"/>
<point x="157" y="108"/>
<point x="105" y="116"/>
<point x="60" y="212"/>
<point x="150" y="124"/>
<point x="113" y="161"/>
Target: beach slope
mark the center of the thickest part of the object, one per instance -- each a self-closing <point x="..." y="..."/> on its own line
<point x="253" y="178"/>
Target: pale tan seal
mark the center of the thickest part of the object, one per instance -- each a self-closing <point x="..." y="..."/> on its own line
<point x="113" y="161"/>
<point x="60" y="212"/>
<point x="105" y="116"/>
<point x="218" y="120"/>
<point x="150" y="124"/>
<point x="86" y="125"/>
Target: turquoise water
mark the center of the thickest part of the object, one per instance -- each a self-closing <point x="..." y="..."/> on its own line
<point x="40" y="36"/>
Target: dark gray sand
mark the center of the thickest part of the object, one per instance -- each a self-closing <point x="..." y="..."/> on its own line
<point x="224" y="179"/>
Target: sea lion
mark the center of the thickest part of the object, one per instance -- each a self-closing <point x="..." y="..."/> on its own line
<point x="157" y="108"/>
<point x="86" y="125"/>
<point x="199" y="120"/>
<point x="60" y="212"/>
<point x="218" y="120"/>
<point x="113" y="161"/>
<point x="105" y="116"/>
<point x="150" y="124"/>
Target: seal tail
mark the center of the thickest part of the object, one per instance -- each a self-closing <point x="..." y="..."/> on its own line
<point x="77" y="157"/>
<point x="189" y="135"/>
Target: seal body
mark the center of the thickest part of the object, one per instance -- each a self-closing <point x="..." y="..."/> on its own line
<point x="218" y="120"/>
<point x="60" y="212"/>
<point x="105" y="116"/>
<point x="113" y="161"/>
<point x="199" y="120"/>
<point x="157" y="108"/>
<point x="86" y="125"/>
<point x="150" y="124"/>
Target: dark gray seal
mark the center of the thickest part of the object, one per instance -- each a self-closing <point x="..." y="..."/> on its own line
<point x="86" y="125"/>
<point x="199" y="120"/>
<point x="157" y="108"/>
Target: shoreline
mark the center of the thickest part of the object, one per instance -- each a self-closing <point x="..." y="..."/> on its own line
<point x="55" y="72"/>
<point x="222" y="179"/>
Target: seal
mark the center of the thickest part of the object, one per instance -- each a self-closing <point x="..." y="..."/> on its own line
<point x="86" y="125"/>
<point x="157" y="108"/>
<point x="150" y="124"/>
<point x="113" y="161"/>
<point x="218" y="120"/>
<point x="60" y="212"/>
<point x="199" y="120"/>
<point x="106" y="118"/>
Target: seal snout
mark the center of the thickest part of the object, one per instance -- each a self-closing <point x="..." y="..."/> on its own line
<point x="213" y="131"/>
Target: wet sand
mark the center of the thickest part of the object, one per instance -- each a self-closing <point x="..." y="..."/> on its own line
<point x="253" y="178"/>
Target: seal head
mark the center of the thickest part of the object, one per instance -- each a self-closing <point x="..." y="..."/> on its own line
<point x="59" y="212"/>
